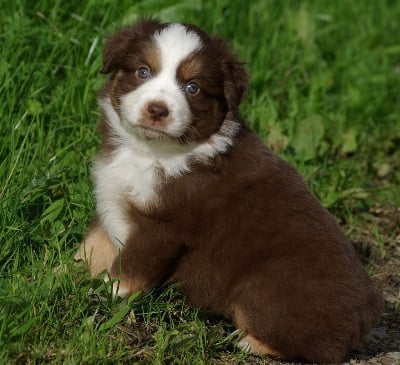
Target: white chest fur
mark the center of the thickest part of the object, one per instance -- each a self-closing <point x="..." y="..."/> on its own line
<point x="122" y="180"/>
<point x="130" y="175"/>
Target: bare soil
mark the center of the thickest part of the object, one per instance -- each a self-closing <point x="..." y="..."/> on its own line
<point x="379" y="241"/>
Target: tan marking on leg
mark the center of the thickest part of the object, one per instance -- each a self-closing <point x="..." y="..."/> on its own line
<point x="125" y="287"/>
<point x="240" y="320"/>
<point x="254" y="346"/>
<point x="250" y="343"/>
<point x="100" y="253"/>
<point x="98" y="250"/>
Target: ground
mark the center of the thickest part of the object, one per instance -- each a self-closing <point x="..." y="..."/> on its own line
<point x="384" y="344"/>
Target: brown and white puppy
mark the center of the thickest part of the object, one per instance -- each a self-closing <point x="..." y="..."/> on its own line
<point x="187" y="193"/>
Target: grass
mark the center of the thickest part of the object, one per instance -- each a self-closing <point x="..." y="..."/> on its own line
<point x="325" y="77"/>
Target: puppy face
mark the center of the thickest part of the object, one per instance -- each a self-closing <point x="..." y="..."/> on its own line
<point x="171" y="81"/>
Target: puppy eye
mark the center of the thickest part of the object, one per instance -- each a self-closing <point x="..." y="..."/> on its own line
<point x="192" y="88"/>
<point x="143" y="73"/>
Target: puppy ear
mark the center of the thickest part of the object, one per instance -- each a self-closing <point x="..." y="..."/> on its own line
<point x="115" y="50"/>
<point x="236" y="81"/>
<point x="125" y="42"/>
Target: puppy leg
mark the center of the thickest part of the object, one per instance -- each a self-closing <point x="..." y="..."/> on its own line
<point x="98" y="250"/>
<point x="254" y="346"/>
<point x="101" y="254"/>
<point x="250" y="343"/>
<point x="145" y="261"/>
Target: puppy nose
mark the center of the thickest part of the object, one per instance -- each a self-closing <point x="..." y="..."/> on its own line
<point x="157" y="111"/>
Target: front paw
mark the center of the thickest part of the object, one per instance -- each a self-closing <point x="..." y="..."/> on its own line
<point x="125" y="287"/>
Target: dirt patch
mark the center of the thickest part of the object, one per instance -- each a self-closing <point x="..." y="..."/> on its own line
<point x="378" y="242"/>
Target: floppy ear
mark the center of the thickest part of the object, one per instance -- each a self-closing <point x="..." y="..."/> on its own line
<point x="115" y="50"/>
<point x="121" y="44"/>
<point x="236" y="81"/>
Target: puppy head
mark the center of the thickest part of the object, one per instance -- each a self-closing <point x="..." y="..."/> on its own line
<point x="171" y="81"/>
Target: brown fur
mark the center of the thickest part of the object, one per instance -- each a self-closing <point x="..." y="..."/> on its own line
<point x="243" y="234"/>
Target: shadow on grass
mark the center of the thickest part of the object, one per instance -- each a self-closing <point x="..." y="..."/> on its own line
<point x="385" y="338"/>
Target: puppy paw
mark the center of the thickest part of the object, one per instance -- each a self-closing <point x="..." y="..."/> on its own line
<point x="251" y="345"/>
<point x="123" y="287"/>
<point x="121" y="290"/>
<point x="244" y="345"/>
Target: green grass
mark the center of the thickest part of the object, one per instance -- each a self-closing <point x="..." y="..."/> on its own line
<point x="324" y="94"/>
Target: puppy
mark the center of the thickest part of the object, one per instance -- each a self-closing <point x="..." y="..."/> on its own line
<point x="187" y="193"/>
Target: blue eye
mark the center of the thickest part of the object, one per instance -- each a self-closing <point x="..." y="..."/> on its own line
<point x="192" y="88"/>
<point x="143" y="73"/>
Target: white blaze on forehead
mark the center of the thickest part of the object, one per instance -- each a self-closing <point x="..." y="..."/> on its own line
<point x="176" y="43"/>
